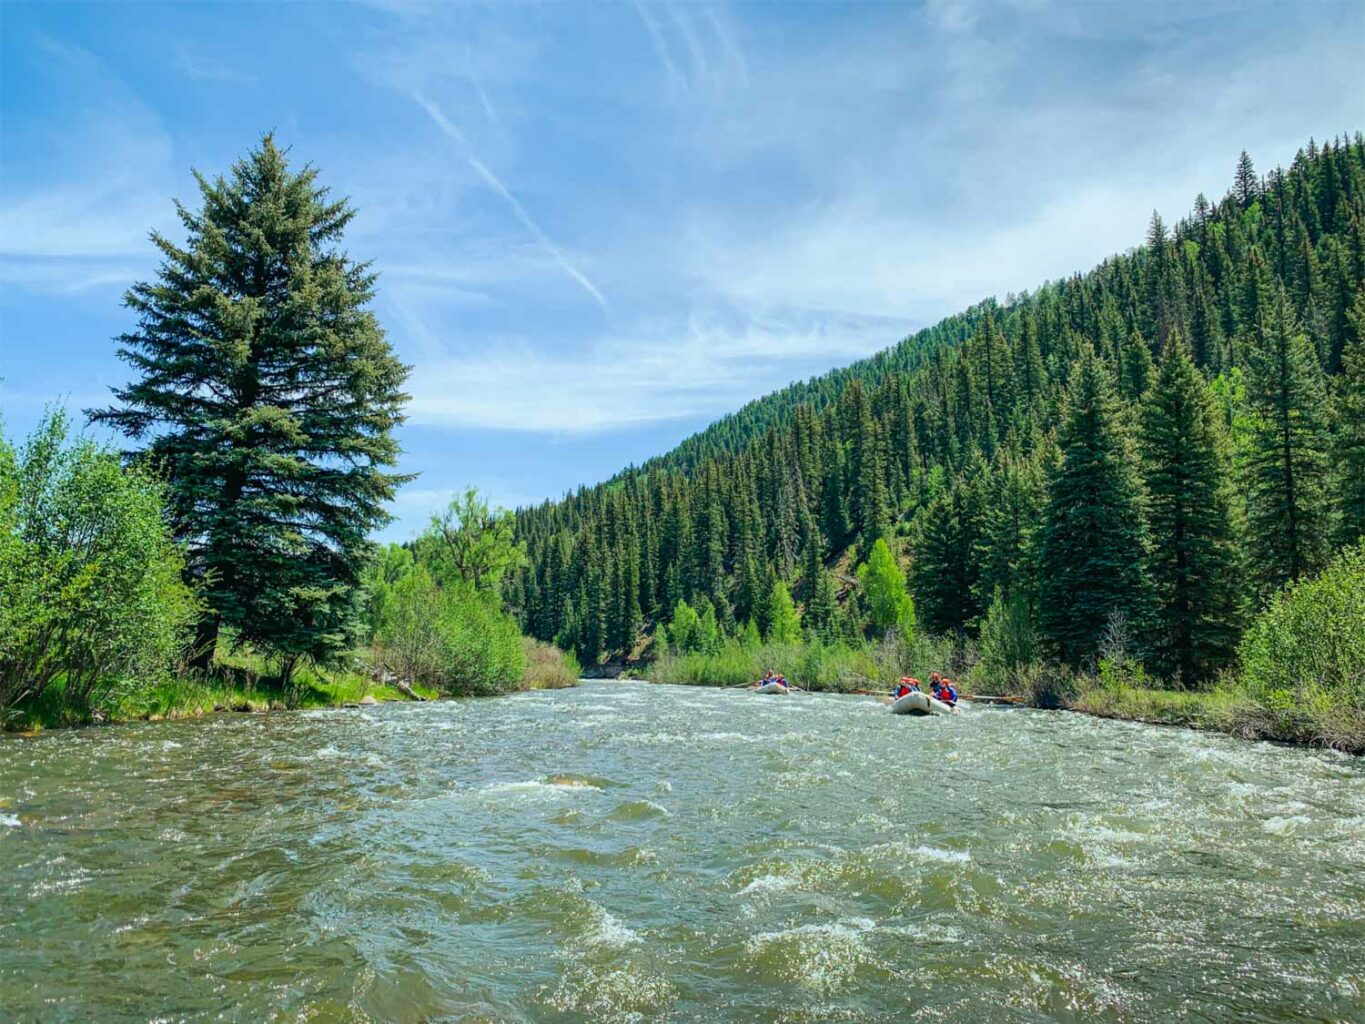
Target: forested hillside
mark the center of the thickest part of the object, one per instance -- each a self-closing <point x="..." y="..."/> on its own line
<point x="1161" y="443"/>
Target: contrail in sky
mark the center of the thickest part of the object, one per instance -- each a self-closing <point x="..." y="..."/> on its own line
<point x="497" y="186"/>
<point x="450" y="128"/>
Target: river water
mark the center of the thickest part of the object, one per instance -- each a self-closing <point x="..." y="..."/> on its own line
<point x="627" y="852"/>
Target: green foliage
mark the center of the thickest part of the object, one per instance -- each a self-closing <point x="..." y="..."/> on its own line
<point x="266" y="395"/>
<point x="1094" y="542"/>
<point x="943" y="572"/>
<point x="784" y="626"/>
<point x="547" y="667"/>
<point x="1196" y="561"/>
<point x="749" y="636"/>
<point x="1287" y="450"/>
<point x="684" y="632"/>
<point x="810" y="666"/>
<point x="390" y="564"/>
<point x="821" y="616"/>
<point x="1349" y="448"/>
<point x="91" y="597"/>
<point x="1009" y="642"/>
<point x="883" y="583"/>
<point x="437" y="611"/>
<point x="456" y="639"/>
<point x="1309" y="645"/>
<point x="470" y="543"/>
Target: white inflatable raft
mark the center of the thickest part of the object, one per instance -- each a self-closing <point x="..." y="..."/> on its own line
<point x="771" y="688"/>
<point x="918" y="703"/>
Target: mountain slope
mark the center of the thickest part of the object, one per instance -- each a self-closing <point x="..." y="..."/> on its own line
<point x="919" y="443"/>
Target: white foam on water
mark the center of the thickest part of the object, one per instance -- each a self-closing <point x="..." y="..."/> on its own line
<point x="10" y="820"/>
<point x="170" y="745"/>
<point x="76" y="880"/>
<point x="611" y="995"/>
<point x="608" y="931"/>
<point x="331" y="753"/>
<point x="538" y="788"/>
<point x="768" y="883"/>
<point x="939" y="854"/>
<point x="1285" y="825"/>
<point x="823" y="957"/>
<point x="927" y="932"/>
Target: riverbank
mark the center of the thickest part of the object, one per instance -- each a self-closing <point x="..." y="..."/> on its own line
<point x="1224" y="709"/>
<point x="241" y="682"/>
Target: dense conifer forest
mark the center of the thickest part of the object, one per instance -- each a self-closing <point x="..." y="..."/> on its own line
<point x="1157" y="446"/>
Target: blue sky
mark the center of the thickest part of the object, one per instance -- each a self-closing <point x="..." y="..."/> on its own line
<point x="600" y="226"/>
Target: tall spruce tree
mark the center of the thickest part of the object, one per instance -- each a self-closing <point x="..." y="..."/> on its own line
<point x="822" y="609"/>
<point x="1196" y="567"/>
<point x="267" y="395"/>
<point x="1349" y="447"/>
<point x="1287" y="458"/>
<point x="1094" y="540"/>
<point x="943" y="571"/>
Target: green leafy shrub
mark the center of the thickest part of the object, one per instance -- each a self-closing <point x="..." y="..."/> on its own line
<point x="92" y="603"/>
<point x="883" y="583"/>
<point x="1303" y="659"/>
<point x="1009" y="642"/>
<point x="547" y="667"/>
<point x="453" y="638"/>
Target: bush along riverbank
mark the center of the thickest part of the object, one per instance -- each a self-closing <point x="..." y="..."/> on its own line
<point x="1299" y="678"/>
<point x="245" y="682"/>
<point x="97" y="617"/>
<point x="1300" y="674"/>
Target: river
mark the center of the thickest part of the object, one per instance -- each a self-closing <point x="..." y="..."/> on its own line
<point x="627" y="852"/>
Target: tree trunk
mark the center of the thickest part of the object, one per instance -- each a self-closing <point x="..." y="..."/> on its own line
<point x="205" y="642"/>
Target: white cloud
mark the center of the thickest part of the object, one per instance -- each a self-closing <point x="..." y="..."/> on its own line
<point x="202" y="67"/>
<point x="705" y="365"/>
<point x="88" y="225"/>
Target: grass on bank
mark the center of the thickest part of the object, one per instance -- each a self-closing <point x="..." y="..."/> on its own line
<point x="243" y="681"/>
<point x="547" y="667"/>
<point x="1229" y="707"/>
<point x="836" y="668"/>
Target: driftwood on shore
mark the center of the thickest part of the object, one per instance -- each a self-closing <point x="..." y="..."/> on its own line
<point x="404" y="688"/>
<point x="380" y="674"/>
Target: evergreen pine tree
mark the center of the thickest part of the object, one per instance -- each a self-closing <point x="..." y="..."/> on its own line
<point x="1349" y="449"/>
<point x="1006" y="546"/>
<point x="822" y="610"/>
<point x="1196" y="568"/>
<point x="1287" y="457"/>
<point x="1135" y="368"/>
<point x="267" y="395"/>
<point x="943" y="569"/>
<point x="1094" y="542"/>
<point x="1246" y="186"/>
